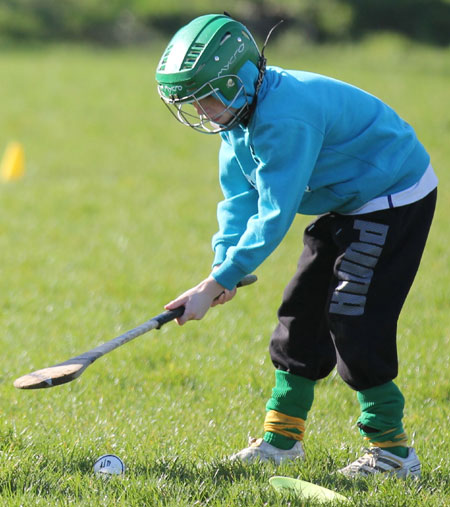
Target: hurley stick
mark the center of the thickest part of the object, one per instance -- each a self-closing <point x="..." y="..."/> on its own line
<point x="74" y="367"/>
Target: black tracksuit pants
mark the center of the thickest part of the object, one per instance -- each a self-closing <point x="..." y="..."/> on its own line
<point x="342" y="305"/>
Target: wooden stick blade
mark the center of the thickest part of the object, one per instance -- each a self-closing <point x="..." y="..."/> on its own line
<point x="52" y="376"/>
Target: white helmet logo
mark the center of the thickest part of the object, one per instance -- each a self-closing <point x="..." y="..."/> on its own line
<point x="233" y="58"/>
<point x="172" y="88"/>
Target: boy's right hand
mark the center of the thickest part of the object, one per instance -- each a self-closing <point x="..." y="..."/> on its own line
<point x="198" y="300"/>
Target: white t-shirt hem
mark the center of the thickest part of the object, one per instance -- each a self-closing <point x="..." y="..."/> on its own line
<point x="419" y="190"/>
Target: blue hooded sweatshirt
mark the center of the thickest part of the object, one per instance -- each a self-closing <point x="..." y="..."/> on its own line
<point x="313" y="145"/>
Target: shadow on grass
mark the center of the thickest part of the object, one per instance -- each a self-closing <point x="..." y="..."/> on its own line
<point x="177" y="469"/>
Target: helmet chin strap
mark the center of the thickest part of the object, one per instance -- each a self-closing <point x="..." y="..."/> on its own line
<point x="262" y="61"/>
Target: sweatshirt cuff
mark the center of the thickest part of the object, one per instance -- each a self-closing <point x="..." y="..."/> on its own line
<point x="220" y="252"/>
<point x="228" y="275"/>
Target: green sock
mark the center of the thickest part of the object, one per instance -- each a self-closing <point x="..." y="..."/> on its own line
<point x="293" y="396"/>
<point x="400" y="451"/>
<point x="381" y="418"/>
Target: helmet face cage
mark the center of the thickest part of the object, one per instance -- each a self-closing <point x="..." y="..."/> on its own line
<point x="190" y="111"/>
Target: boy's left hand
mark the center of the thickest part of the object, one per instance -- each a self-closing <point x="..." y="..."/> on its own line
<point x="199" y="299"/>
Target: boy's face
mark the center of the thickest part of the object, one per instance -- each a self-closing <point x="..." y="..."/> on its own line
<point x="214" y="110"/>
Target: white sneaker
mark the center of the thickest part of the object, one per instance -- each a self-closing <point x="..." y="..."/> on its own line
<point x="379" y="461"/>
<point x="260" y="450"/>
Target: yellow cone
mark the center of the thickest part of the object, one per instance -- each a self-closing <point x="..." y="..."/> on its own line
<point x="13" y="163"/>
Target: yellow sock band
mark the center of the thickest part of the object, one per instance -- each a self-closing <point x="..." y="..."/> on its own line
<point x="283" y="424"/>
<point x="400" y="440"/>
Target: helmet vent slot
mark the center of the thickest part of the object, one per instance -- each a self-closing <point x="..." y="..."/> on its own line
<point x="192" y="56"/>
<point x="165" y="56"/>
<point x="224" y="38"/>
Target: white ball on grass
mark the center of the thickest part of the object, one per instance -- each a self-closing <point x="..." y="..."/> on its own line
<point x="109" y="464"/>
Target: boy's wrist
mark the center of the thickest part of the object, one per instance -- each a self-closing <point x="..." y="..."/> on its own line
<point x="212" y="287"/>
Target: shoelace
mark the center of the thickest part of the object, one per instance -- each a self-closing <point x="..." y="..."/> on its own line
<point x="369" y="458"/>
<point x="254" y="442"/>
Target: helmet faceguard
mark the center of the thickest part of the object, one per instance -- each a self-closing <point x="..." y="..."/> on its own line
<point x="191" y="110"/>
<point x="203" y="60"/>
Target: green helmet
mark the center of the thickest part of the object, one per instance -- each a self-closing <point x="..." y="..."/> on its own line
<point x="203" y="59"/>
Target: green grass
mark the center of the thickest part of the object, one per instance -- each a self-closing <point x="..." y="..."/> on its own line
<point x="112" y="220"/>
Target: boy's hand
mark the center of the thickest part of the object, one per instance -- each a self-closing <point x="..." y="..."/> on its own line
<point x="225" y="296"/>
<point x="199" y="299"/>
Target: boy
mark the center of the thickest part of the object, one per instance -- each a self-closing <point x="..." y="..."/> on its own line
<point x="296" y="142"/>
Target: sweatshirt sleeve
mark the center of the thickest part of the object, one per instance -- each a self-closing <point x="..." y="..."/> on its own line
<point x="286" y="152"/>
<point x="240" y="203"/>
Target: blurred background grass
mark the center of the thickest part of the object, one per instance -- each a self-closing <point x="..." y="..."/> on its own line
<point x="114" y="217"/>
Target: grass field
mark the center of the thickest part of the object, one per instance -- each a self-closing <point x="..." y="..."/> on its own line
<point x="112" y="220"/>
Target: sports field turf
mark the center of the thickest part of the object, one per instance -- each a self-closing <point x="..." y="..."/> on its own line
<point x="112" y="220"/>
